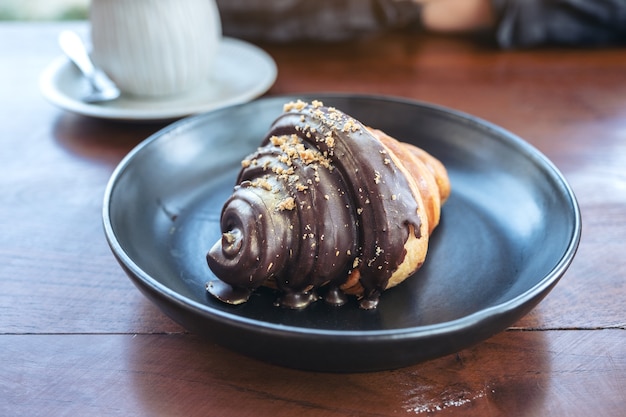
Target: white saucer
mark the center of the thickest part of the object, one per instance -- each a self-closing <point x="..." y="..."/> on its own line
<point x="242" y="73"/>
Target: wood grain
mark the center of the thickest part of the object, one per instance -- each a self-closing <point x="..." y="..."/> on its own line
<point x="76" y="338"/>
<point x="514" y="373"/>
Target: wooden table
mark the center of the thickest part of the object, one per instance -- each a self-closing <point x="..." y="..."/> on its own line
<point x="78" y="339"/>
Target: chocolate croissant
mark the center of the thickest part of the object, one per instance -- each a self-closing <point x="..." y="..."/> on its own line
<point x="326" y="206"/>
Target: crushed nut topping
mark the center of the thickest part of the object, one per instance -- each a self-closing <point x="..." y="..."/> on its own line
<point x="287" y="204"/>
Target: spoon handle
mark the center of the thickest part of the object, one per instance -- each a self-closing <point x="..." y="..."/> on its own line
<point x="74" y="48"/>
<point x="103" y="89"/>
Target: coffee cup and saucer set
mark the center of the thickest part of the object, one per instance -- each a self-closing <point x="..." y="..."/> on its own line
<point x="167" y="58"/>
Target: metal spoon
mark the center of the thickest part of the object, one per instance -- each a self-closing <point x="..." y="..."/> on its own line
<point x="102" y="88"/>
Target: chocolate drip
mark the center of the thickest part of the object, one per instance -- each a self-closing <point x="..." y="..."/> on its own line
<point x="320" y="199"/>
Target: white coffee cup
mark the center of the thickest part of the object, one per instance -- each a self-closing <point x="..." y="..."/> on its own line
<point x="155" y="47"/>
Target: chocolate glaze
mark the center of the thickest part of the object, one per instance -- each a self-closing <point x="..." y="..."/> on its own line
<point x="318" y="199"/>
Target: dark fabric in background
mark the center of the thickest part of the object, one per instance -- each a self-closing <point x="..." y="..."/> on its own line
<point x="530" y="23"/>
<point x="520" y="23"/>
<point x="318" y="20"/>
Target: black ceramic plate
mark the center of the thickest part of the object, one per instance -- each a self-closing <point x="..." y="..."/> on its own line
<point x="508" y="233"/>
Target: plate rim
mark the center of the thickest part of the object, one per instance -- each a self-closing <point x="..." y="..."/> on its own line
<point x="467" y="321"/>
<point x="52" y="92"/>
